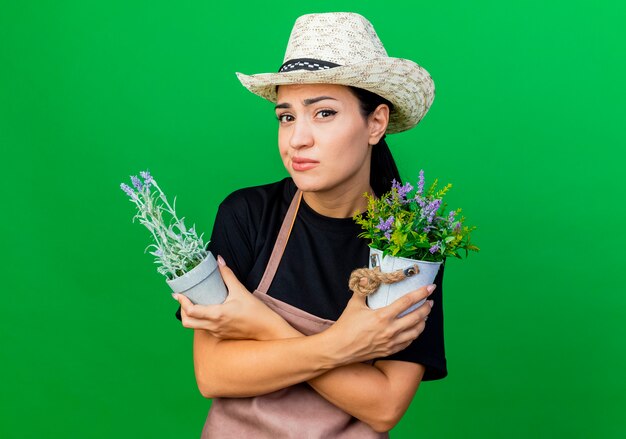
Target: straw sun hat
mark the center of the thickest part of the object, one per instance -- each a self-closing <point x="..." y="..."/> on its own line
<point x="343" y="48"/>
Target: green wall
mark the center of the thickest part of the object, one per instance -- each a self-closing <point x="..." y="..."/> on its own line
<point x="527" y="125"/>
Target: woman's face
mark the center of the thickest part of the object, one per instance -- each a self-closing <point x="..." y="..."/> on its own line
<point x="323" y="138"/>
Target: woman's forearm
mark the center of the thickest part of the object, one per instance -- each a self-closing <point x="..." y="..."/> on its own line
<point x="241" y="368"/>
<point x="378" y="397"/>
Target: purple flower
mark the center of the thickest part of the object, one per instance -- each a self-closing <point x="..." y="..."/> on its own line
<point x="388" y="234"/>
<point x="402" y="190"/>
<point x="147" y="178"/>
<point x="432" y="209"/>
<point x="428" y="229"/>
<point x="405" y="190"/>
<point x="136" y="182"/>
<point x="451" y="217"/>
<point x="420" y="184"/>
<point x="457" y="227"/>
<point x="420" y="201"/>
<point x="385" y="225"/>
<point x="435" y="248"/>
<point x="128" y="191"/>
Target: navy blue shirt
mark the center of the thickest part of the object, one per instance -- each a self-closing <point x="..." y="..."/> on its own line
<point x="313" y="273"/>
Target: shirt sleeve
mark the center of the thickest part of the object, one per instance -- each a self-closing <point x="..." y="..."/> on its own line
<point x="429" y="349"/>
<point x="231" y="237"/>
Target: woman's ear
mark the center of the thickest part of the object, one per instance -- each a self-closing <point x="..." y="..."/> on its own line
<point x="377" y="123"/>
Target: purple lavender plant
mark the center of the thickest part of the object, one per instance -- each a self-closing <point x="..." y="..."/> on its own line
<point x="402" y="191"/>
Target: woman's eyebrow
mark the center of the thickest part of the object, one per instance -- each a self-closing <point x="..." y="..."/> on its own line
<point x="306" y="102"/>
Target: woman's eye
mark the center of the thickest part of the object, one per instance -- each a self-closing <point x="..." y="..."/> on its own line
<point x="284" y="117"/>
<point x="326" y="113"/>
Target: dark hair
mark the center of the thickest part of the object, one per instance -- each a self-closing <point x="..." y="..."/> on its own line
<point x="383" y="169"/>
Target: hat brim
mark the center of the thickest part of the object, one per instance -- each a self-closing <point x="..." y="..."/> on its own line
<point x="403" y="82"/>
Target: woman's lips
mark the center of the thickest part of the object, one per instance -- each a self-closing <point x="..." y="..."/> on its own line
<point x="301" y="164"/>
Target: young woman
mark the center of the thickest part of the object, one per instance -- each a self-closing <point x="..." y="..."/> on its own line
<point x="292" y="352"/>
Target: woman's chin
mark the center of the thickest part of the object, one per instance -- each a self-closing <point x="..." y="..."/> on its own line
<point x="307" y="183"/>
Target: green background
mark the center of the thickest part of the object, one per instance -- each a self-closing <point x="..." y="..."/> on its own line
<point x="527" y="125"/>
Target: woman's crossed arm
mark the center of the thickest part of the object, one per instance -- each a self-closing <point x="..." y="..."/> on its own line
<point x="242" y="348"/>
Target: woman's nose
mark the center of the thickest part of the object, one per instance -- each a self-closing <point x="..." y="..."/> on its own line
<point x="301" y="135"/>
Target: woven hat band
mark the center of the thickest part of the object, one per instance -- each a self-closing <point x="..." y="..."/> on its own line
<point x="306" y="64"/>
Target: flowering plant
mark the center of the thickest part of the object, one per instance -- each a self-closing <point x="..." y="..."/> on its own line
<point x="415" y="226"/>
<point x="178" y="251"/>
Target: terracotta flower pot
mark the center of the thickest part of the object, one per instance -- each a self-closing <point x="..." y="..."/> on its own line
<point x="387" y="293"/>
<point x="202" y="284"/>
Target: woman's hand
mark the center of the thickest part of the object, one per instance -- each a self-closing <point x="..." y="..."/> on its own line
<point x="362" y="334"/>
<point x="241" y="316"/>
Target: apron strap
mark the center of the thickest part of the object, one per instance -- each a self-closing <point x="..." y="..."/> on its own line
<point x="280" y="244"/>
